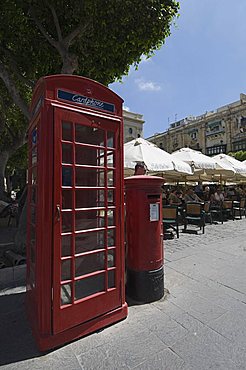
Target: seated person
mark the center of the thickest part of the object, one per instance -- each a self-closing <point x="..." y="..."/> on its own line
<point x="174" y="198"/>
<point x="190" y="196"/>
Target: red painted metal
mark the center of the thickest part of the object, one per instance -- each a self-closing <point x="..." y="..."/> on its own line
<point x="75" y="254"/>
<point x="144" y="237"/>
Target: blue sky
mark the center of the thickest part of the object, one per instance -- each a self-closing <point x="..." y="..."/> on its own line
<point x="201" y="67"/>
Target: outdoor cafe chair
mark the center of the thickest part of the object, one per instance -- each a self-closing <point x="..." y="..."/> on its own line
<point x="240" y="208"/>
<point x="170" y="218"/>
<point x="228" y="209"/>
<point x="207" y="212"/>
<point x="194" y="215"/>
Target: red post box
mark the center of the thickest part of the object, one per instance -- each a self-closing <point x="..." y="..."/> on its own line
<point x="75" y="253"/>
<point x="144" y="237"/>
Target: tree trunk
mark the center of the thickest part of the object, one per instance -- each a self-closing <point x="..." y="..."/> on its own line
<point x="20" y="236"/>
<point x="4" y="156"/>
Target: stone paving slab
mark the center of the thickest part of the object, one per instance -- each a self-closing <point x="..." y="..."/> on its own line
<point x="201" y="324"/>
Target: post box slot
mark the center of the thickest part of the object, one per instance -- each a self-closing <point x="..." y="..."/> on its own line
<point x="153" y="196"/>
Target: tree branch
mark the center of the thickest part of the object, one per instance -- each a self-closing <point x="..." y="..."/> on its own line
<point x="14" y="93"/>
<point x="15" y="69"/>
<point x="56" y="21"/>
<point x="48" y="37"/>
<point x="71" y="38"/>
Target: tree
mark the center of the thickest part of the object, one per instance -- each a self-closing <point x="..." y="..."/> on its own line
<point x="240" y="155"/>
<point x="39" y="38"/>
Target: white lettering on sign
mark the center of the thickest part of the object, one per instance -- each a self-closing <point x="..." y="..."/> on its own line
<point x="87" y="101"/>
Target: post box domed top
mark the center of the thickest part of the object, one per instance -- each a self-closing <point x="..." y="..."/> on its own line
<point x="76" y="91"/>
<point x="143" y="180"/>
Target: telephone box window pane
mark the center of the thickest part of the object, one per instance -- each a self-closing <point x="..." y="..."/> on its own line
<point x="111" y="237"/>
<point x="67" y="153"/>
<point x="66" y="297"/>
<point x="66" y="270"/>
<point x="88" y="286"/>
<point x="110" y="139"/>
<point x="111" y="197"/>
<point x="34" y="175"/>
<point x="66" y="221"/>
<point x="67" y="131"/>
<point x="92" y="219"/>
<point x="110" y="159"/>
<point x="32" y="253"/>
<point x="111" y="218"/>
<point x="111" y="279"/>
<point x="66" y="245"/>
<point x="67" y="200"/>
<point x="89" y="135"/>
<point x="89" y="177"/>
<point x="34" y="136"/>
<point x="67" y="176"/>
<point x="33" y="194"/>
<point x="111" y="257"/>
<point x="34" y="155"/>
<point x="89" y="156"/>
<point x="89" y="198"/>
<point x="33" y="234"/>
<point x="89" y="241"/>
<point x="111" y="178"/>
<point x="90" y="263"/>
<point x="33" y="215"/>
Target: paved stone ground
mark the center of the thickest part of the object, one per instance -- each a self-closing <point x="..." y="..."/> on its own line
<point x="200" y="325"/>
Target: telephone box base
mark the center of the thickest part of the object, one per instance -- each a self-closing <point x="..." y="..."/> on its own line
<point x="47" y="342"/>
<point x="145" y="286"/>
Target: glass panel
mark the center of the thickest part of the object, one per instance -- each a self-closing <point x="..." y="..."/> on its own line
<point x="111" y="237"/>
<point x="89" y="219"/>
<point x="67" y="200"/>
<point x="34" y="155"/>
<point x="89" y="198"/>
<point x="111" y="279"/>
<point x="66" y="294"/>
<point x="111" y="218"/>
<point x="89" y="176"/>
<point x="90" y="263"/>
<point x="89" y="241"/>
<point x="89" y="156"/>
<point x="67" y="176"/>
<point x="91" y="285"/>
<point x="111" y="257"/>
<point x="34" y="175"/>
<point x="110" y="139"/>
<point x="66" y="270"/>
<point x="34" y="136"/>
<point x="67" y="153"/>
<point x="111" y="178"/>
<point x="111" y="197"/>
<point x="32" y="234"/>
<point x="67" y="131"/>
<point x="33" y="215"/>
<point x="89" y="135"/>
<point x="66" y="244"/>
<point x="34" y="194"/>
<point x="110" y="159"/>
<point x="66" y="221"/>
<point x="32" y="253"/>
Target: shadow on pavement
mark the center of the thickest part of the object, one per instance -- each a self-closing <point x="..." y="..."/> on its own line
<point x="16" y="342"/>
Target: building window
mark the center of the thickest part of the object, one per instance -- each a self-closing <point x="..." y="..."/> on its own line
<point x="161" y="145"/>
<point x="216" y="149"/>
<point x="130" y="130"/>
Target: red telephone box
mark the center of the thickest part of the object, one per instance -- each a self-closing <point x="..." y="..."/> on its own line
<point x="75" y="222"/>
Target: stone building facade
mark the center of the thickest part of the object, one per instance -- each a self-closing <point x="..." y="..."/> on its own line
<point x="219" y="131"/>
<point x="133" y="125"/>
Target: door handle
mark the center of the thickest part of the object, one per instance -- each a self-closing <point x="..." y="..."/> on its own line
<point x="58" y="212"/>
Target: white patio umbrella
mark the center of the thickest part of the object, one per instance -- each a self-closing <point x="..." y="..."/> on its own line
<point x="155" y="159"/>
<point x="238" y="167"/>
<point x="194" y="158"/>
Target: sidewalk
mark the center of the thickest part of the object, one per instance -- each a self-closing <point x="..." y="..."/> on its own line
<point x="200" y="325"/>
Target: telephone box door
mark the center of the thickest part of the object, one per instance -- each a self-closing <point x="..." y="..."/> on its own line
<point x="87" y="212"/>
